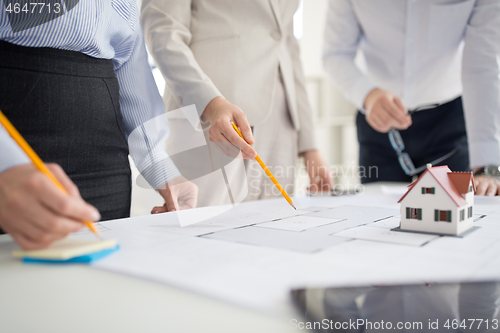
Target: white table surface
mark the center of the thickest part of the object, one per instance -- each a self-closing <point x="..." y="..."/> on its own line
<point x="77" y="298"/>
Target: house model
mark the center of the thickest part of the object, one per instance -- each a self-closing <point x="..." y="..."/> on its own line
<point x="439" y="201"/>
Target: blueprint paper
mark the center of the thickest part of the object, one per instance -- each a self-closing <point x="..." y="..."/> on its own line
<point x="315" y="208"/>
<point x="229" y="257"/>
<point x="389" y="223"/>
<point x="297" y="223"/>
<point x="357" y="213"/>
<point x="394" y="190"/>
<point x="279" y="239"/>
<point x="386" y="236"/>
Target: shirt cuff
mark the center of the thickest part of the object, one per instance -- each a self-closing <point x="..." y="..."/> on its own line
<point x="11" y="155"/>
<point x="483" y="154"/>
<point x="360" y="90"/>
<point x="306" y="142"/>
<point x="160" y="172"/>
<point x="200" y="97"/>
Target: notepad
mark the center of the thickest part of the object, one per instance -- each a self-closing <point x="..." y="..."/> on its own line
<point x="70" y="250"/>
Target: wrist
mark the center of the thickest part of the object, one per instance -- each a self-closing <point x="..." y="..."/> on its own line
<point x="211" y="106"/>
<point x="492" y="171"/>
<point x="371" y="98"/>
<point x="308" y="153"/>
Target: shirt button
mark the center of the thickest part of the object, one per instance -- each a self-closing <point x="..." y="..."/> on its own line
<point x="276" y="35"/>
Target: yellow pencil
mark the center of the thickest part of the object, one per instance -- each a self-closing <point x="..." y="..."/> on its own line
<point x="269" y="174"/>
<point x="37" y="161"/>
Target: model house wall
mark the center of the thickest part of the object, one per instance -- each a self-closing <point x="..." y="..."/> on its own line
<point x="428" y="207"/>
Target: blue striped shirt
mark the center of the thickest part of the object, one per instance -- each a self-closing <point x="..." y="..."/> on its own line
<point x="109" y="30"/>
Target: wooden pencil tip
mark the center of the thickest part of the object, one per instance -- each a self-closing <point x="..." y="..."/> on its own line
<point x="293" y="206"/>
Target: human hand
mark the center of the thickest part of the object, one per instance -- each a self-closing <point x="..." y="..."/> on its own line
<point x="385" y="111"/>
<point x="35" y="212"/>
<point x="319" y="172"/>
<point x="487" y="186"/>
<point x="178" y="194"/>
<point x="220" y="113"/>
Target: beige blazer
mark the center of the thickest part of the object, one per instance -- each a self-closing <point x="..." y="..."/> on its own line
<point x="229" y="48"/>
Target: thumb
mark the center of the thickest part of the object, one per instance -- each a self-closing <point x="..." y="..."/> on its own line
<point x="159" y="209"/>
<point x="399" y="104"/>
<point x="170" y="198"/>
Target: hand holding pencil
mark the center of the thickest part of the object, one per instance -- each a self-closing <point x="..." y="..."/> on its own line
<point x="36" y="211"/>
<point x="268" y="172"/>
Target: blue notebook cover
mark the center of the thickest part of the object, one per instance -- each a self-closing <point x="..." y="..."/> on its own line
<point x="85" y="259"/>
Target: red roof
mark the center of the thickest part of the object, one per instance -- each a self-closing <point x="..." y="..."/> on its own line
<point x="454" y="183"/>
<point x="461" y="180"/>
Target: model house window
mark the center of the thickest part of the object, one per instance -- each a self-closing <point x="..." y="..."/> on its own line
<point x="414" y="213"/>
<point x="469" y="212"/>
<point x="428" y="190"/>
<point x="470" y="188"/>
<point x="462" y="215"/>
<point x="442" y="215"/>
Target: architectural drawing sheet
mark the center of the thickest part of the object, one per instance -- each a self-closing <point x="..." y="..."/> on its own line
<point x="254" y="253"/>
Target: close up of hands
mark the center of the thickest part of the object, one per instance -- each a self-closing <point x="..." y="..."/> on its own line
<point x="319" y="172"/>
<point x="35" y="212"/>
<point x="385" y="111"/>
<point x="178" y="194"/>
<point x="487" y="186"/>
<point x="220" y="113"/>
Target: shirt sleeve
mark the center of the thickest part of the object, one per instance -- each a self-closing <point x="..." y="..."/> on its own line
<point x="306" y="140"/>
<point x="481" y="83"/>
<point x="342" y="37"/>
<point x="144" y="117"/>
<point x="12" y="155"/>
<point x="168" y="36"/>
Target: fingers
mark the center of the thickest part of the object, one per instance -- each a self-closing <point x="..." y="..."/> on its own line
<point x="240" y="120"/>
<point x="377" y="124"/>
<point x="63" y="178"/>
<point x="227" y="148"/>
<point x="319" y="172"/>
<point x="178" y="194"/>
<point x="379" y="120"/>
<point x="170" y="198"/>
<point x="49" y="226"/>
<point x="232" y="136"/>
<point x="188" y="195"/>
<point x="481" y="188"/>
<point x="398" y="115"/>
<point x="384" y="111"/>
<point x="40" y="228"/>
<point x="325" y="178"/>
<point x="27" y="244"/>
<point x="159" y="209"/>
<point x="35" y="211"/>
<point x="486" y="185"/>
<point x="399" y="104"/>
<point x="64" y="205"/>
<point x="220" y="113"/>
<point x="491" y="191"/>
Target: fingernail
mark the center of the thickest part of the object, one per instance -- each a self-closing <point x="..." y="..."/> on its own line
<point x="172" y="210"/>
<point x="96" y="216"/>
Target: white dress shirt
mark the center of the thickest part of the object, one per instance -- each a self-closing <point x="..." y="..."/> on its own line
<point x="425" y="52"/>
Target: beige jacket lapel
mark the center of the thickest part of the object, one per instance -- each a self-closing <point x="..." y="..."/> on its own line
<point x="277" y="13"/>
